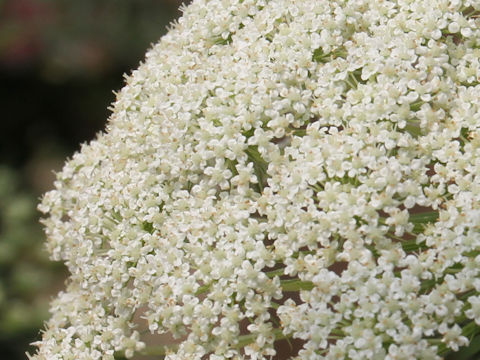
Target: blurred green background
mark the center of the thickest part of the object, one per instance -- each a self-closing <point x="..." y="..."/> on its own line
<point x="60" y="61"/>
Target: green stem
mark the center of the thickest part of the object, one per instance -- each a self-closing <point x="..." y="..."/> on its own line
<point x="259" y="166"/>
<point x="247" y="339"/>
<point x="352" y="86"/>
<point x="452" y="270"/>
<point x="273" y="273"/>
<point x="468" y="293"/>
<point x="318" y="187"/>
<point x="300" y="132"/>
<point x="415" y="106"/>
<point x="412" y="245"/>
<point x="157" y="350"/>
<point x="413" y="130"/>
<point x="471" y="329"/>
<point x="424" y="217"/>
<point x="295" y="285"/>
<point x="274" y="305"/>
<point x="202" y="290"/>
<point x="355" y="81"/>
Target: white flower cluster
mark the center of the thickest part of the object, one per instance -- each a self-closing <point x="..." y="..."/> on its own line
<point x="280" y="170"/>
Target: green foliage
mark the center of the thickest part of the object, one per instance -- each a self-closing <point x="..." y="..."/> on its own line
<point x="27" y="278"/>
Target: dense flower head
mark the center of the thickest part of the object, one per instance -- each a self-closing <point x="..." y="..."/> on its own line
<point x="283" y="169"/>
